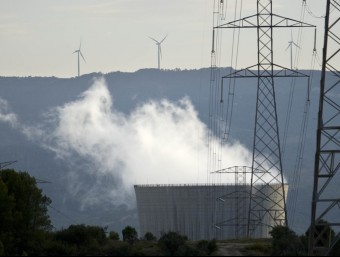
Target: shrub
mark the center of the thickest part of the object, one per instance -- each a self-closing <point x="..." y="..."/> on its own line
<point x="171" y="242"/>
<point x="149" y="237"/>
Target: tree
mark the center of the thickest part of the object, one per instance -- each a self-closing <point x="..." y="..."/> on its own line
<point x="23" y="213"/>
<point x="114" y="236"/>
<point x="286" y="242"/>
<point x="149" y="237"/>
<point x="129" y="234"/>
<point x="172" y="242"/>
<point x="81" y="235"/>
<point x="81" y="240"/>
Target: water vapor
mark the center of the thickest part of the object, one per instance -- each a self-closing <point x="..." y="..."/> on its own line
<point x="158" y="142"/>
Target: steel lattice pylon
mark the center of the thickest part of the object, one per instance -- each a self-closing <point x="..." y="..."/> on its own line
<point x="266" y="205"/>
<point x="326" y="195"/>
<point x="238" y="220"/>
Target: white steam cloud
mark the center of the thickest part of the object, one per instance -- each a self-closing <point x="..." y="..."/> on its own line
<point x="6" y="115"/>
<point x="159" y="142"/>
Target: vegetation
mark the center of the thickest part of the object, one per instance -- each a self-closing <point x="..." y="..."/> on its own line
<point x="173" y="243"/>
<point x="286" y="243"/>
<point x="23" y="214"/>
<point x="25" y="229"/>
<point x="114" y="236"/>
<point x="149" y="237"/>
<point x="129" y="234"/>
<point x="258" y="248"/>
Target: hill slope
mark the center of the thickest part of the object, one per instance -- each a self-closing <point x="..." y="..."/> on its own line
<point x="36" y="103"/>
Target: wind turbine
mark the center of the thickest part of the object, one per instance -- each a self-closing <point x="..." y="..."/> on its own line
<point x="79" y="53"/>
<point x="158" y="43"/>
<point x="291" y="43"/>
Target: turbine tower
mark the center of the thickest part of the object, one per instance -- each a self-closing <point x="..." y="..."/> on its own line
<point x="291" y="43"/>
<point x="159" y="49"/>
<point x="78" y="51"/>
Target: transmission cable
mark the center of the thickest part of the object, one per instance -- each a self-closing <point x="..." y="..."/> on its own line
<point x="302" y="136"/>
<point x="232" y="82"/>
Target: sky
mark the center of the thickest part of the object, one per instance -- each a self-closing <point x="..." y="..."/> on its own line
<point x="38" y="37"/>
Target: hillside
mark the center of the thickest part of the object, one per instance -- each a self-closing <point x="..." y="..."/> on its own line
<point x="82" y="188"/>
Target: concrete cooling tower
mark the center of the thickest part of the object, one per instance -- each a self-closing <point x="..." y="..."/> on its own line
<point x="202" y="211"/>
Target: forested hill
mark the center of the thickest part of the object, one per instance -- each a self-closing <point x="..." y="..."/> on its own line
<point x="28" y="107"/>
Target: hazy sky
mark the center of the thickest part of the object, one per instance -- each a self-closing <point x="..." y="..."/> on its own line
<point x="38" y="37"/>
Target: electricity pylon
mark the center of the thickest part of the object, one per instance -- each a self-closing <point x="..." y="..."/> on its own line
<point x="325" y="216"/>
<point x="267" y="202"/>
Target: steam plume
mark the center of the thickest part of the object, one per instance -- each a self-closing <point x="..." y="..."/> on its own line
<point x="158" y="142"/>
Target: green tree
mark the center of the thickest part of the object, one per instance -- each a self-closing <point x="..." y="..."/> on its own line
<point x="80" y="240"/>
<point x="286" y="243"/>
<point x="81" y="235"/>
<point x="23" y="213"/>
<point x="114" y="236"/>
<point x="149" y="237"/>
<point x="129" y="234"/>
<point x="172" y="243"/>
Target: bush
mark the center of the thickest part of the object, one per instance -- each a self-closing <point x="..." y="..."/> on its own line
<point x="82" y="235"/>
<point x="114" y="236"/>
<point x="259" y="249"/>
<point x="207" y="247"/>
<point x="129" y="234"/>
<point x="172" y="242"/>
<point x="149" y="237"/>
<point x="286" y="242"/>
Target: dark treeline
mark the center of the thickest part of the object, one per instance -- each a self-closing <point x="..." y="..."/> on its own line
<point x="25" y="229"/>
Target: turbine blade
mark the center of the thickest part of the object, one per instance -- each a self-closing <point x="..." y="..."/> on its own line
<point x="163" y="39"/>
<point x="154" y="40"/>
<point x="289" y="45"/>
<point x="79" y="45"/>
<point x="82" y="56"/>
<point x="296" y="45"/>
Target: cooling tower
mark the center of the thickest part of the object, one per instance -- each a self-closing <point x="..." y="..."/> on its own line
<point x="201" y="211"/>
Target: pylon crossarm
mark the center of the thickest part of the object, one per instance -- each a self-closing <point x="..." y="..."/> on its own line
<point x="245" y="169"/>
<point x="280" y="72"/>
<point x="283" y="22"/>
<point x="244" y="73"/>
<point x="232" y="195"/>
<point x="252" y="20"/>
<point x="5" y="164"/>
<point x="246" y="22"/>
<point x="286" y="72"/>
<point x="231" y="223"/>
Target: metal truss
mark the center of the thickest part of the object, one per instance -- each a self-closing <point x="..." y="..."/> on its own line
<point x="239" y="198"/>
<point x="266" y="205"/>
<point x="325" y="218"/>
<point x="5" y="164"/>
